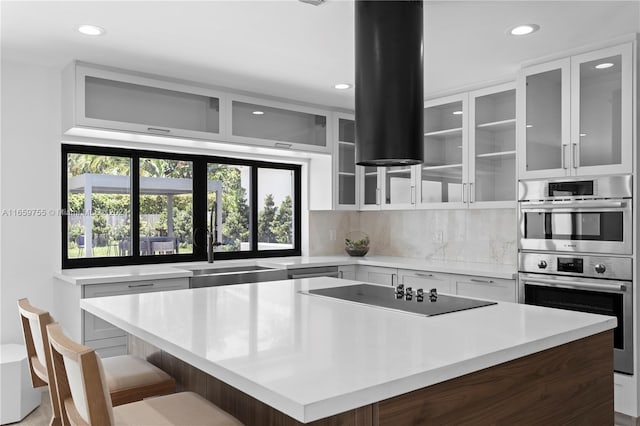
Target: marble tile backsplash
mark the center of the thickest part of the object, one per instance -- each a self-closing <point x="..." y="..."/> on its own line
<point x="483" y="236"/>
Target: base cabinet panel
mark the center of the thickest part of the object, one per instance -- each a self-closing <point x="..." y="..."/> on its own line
<point x="377" y="275"/>
<point x="499" y="290"/>
<point x="106" y="338"/>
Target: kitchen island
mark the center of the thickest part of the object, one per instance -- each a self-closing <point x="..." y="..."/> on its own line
<point x="270" y="354"/>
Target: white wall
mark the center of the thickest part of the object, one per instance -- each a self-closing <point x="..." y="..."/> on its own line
<point x="29" y="159"/>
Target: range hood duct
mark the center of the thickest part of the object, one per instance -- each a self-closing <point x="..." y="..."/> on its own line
<point x="389" y="82"/>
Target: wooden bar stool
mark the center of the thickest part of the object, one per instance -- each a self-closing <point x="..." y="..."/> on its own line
<point x="128" y="378"/>
<point x="84" y="398"/>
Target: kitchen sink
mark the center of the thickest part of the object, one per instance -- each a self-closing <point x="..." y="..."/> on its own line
<point x="212" y="277"/>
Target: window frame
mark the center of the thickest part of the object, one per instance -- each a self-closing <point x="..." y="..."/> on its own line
<point x="199" y="218"/>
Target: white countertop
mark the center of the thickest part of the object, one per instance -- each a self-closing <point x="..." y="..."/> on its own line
<point x="86" y="276"/>
<point x="312" y="357"/>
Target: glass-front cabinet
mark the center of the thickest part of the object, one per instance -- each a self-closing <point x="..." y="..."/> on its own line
<point x="345" y="162"/>
<point x="398" y="187"/>
<point x="101" y="98"/>
<point x="442" y="178"/>
<point x="278" y="125"/>
<point x="370" y="183"/>
<point x="469" y="150"/>
<point x="575" y="115"/>
<point x="492" y="146"/>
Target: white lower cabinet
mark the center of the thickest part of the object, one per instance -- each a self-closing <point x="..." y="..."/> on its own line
<point x="497" y="289"/>
<point x="377" y="274"/>
<point x="425" y="280"/>
<point x="347" y="272"/>
<point x="105" y="338"/>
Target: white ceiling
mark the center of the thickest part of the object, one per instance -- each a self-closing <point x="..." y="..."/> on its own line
<point x="295" y="50"/>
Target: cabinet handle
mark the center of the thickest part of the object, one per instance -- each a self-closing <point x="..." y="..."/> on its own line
<point x="140" y="285"/>
<point x="413" y="194"/>
<point x="576" y="158"/>
<point x="464" y="192"/>
<point x="283" y="145"/>
<point x="420" y="274"/>
<point x="476" y="280"/>
<point x="472" y="196"/>
<point x="377" y="196"/>
<point x="158" y="130"/>
<point x="340" y="274"/>
<point x="563" y="157"/>
<point x="394" y="281"/>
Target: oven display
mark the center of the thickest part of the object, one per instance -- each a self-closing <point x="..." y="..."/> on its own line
<point x="560" y="189"/>
<point x="570" y="264"/>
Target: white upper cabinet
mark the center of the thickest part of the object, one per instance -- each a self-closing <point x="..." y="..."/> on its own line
<point x="575" y="115"/>
<point x="101" y="98"/>
<point x="261" y="122"/>
<point x="370" y="190"/>
<point x="96" y="98"/>
<point x="442" y="179"/>
<point x="492" y="146"/>
<point x="469" y="150"/>
<point x="344" y="156"/>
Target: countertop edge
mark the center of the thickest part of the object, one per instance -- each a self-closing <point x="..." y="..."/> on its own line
<point x="103" y="276"/>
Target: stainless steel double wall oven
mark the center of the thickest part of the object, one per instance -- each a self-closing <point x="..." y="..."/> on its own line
<point x="575" y="241"/>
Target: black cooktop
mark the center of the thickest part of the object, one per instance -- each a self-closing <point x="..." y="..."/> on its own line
<point x="388" y="297"/>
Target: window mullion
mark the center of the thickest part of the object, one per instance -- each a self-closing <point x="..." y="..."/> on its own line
<point x="253" y="205"/>
<point x="135" y="206"/>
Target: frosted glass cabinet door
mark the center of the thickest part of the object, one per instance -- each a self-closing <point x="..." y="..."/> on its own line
<point x="111" y="100"/>
<point x="369" y="188"/>
<point x="546" y="120"/>
<point x="398" y="187"/>
<point x="301" y="128"/>
<point x="346" y="163"/>
<point x="442" y="176"/>
<point x="492" y="145"/>
<point x="601" y="113"/>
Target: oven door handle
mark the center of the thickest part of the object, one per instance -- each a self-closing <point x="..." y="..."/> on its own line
<point x="576" y="285"/>
<point x="587" y="205"/>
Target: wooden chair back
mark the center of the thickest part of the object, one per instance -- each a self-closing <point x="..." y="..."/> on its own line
<point x="84" y="398"/>
<point x="34" y="329"/>
<point x="34" y="322"/>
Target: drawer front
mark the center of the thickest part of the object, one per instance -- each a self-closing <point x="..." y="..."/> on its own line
<point x="426" y="280"/>
<point x="347" y="272"/>
<point x="495" y="289"/>
<point x="134" y="287"/>
<point x="377" y="275"/>
<point x="96" y="328"/>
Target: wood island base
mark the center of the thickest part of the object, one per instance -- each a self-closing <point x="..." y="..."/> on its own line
<point x="567" y="384"/>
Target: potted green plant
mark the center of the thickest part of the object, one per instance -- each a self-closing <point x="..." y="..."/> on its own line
<point x="356" y="243"/>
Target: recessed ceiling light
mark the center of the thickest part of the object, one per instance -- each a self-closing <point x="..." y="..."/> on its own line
<point x="258" y="113"/>
<point x="457" y="113"/>
<point x="342" y="86"/>
<point x="91" y="30"/>
<point x="604" y="65"/>
<point x="582" y="135"/>
<point x="528" y="126"/>
<point x="520" y="30"/>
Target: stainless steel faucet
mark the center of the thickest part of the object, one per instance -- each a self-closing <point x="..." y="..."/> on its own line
<point x="212" y="235"/>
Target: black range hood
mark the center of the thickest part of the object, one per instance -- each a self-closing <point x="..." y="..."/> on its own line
<point x="389" y="82"/>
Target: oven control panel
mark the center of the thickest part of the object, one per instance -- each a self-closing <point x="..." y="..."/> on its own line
<point x="619" y="268"/>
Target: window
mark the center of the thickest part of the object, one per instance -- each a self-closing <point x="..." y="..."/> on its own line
<point x="275" y="200"/>
<point x="129" y="207"/>
<point x="166" y="206"/>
